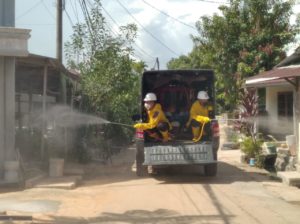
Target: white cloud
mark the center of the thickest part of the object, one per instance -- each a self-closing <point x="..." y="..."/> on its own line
<point x="172" y="33"/>
<point x="167" y="30"/>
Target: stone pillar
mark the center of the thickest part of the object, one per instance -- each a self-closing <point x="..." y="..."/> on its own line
<point x="13" y="43"/>
<point x="7" y="111"/>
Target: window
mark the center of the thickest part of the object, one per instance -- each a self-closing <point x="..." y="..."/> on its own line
<point x="285" y="104"/>
<point x="261" y="92"/>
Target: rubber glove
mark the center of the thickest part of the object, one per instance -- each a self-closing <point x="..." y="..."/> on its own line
<point x="138" y="126"/>
<point x="202" y="119"/>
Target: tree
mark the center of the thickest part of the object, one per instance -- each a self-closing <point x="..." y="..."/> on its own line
<point x="179" y="63"/>
<point x="248" y="36"/>
<point x="109" y="83"/>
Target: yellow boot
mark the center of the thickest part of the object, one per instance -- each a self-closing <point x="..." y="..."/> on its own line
<point x="196" y="132"/>
<point x="165" y="135"/>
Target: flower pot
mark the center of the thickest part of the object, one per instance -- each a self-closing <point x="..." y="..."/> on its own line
<point x="56" y="167"/>
<point x="11" y="171"/>
<point x="252" y="162"/>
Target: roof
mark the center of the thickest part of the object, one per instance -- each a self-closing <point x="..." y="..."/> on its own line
<point x="277" y="73"/>
<point x="291" y="60"/>
<point x="39" y="61"/>
<point x="286" y="69"/>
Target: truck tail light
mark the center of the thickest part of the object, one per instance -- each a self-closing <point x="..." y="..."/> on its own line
<point x="215" y="129"/>
<point x="139" y="134"/>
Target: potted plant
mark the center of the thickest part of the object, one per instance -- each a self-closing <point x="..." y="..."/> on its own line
<point x="251" y="143"/>
<point x="251" y="147"/>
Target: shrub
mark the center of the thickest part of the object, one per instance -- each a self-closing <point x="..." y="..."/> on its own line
<point x="251" y="146"/>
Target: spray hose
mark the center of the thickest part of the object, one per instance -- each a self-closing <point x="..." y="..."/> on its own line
<point x="125" y="125"/>
<point x="203" y="120"/>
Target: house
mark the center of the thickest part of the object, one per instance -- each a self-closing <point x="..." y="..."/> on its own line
<point x="279" y="94"/>
<point x="38" y="87"/>
<point x="276" y="92"/>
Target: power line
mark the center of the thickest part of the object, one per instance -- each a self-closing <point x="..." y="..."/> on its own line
<point x="29" y="10"/>
<point x="162" y="12"/>
<point x="36" y="24"/>
<point x="70" y="20"/>
<point x="215" y="2"/>
<point x="114" y="21"/>
<point x="87" y="17"/>
<point x="74" y="10"/>
<point x="154" y="37"/>
<point x="115" y="33"/>
<point x="48" y="10"/>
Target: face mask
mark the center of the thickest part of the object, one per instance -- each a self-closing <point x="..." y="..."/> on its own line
<point x="147" y="106"/>
<point x="203" y="103"/>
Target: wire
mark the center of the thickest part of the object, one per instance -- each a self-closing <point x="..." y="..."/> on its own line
<point x="154" y="65"/>
<point x="29" y="10"/>
<point x="48" y="10"/>
<point x="74" y="10"/>
<point x="36" y="24"/>
<point x="87" y="17"/>
<point x="70" y="20"/>
<point x="215" y="2"/>
<point x="154" y="37"/>
<point x="114" y="21"/>
<point x="136" y="53"/>
<point x="162" y="12"/>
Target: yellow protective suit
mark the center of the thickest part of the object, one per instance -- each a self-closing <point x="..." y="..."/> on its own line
<point x="200" y="114"/>
<point x="155" y="116"/>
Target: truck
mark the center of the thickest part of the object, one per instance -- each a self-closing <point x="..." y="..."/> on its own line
<point x="176" y="90"/>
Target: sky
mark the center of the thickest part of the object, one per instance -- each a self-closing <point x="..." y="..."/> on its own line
<point x="159" y="35"/>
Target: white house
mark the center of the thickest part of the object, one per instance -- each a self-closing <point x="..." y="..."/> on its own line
<point x="279" y="98"/>
<point x="276" y="91"/>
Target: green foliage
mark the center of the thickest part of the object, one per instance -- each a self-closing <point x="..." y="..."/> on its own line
<point x="248" y="110"/>
<point x="251" y="146"/>
<point x="247" y="37"/>
<point x="110" y="78"/>
<point x="179" y="63"/>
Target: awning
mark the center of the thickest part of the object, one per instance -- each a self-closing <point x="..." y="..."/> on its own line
<point x="287" y="72"/>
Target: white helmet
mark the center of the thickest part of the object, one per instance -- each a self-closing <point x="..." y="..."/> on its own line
<point x="150" y="97"/>
<point x="202" y="95"/>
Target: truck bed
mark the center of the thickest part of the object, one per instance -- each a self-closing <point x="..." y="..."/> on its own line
<point x="178" y="153"/>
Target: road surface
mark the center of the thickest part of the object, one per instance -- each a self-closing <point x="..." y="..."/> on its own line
<point x="113" y="194"/>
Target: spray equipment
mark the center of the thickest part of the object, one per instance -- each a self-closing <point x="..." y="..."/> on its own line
<point x="64" y="116"/>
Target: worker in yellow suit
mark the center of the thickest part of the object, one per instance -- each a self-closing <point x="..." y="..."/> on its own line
<point x="157" y="126"/>
<point x="199" y="115"/>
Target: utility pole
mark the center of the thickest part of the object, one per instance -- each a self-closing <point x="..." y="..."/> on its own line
<point x="59" y="47"/>
<point x="59" y="10"/>
<point x="157" y="62"/>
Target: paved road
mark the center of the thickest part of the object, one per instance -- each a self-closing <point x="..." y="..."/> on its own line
<point x="113" y="194"/>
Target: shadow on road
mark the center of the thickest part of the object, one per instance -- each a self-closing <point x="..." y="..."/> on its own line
<point x="227" y="174"/>
<point x="143" y="216"/>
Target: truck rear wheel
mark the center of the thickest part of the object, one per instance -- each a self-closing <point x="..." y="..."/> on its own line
<point x="210" y="170"/>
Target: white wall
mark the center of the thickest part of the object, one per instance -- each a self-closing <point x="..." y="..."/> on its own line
<point x="271" y="98"/>
<point x="282" y="126"/>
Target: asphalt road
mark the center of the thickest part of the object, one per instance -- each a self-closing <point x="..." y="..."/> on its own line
<point x="113" y="194"/>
